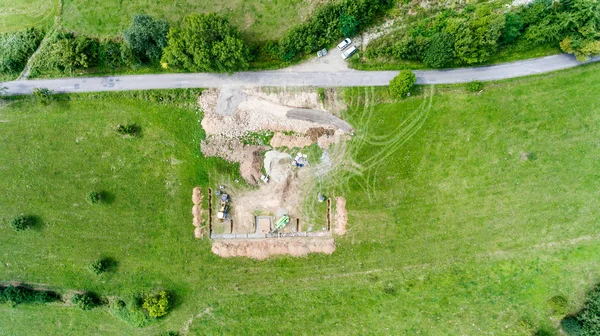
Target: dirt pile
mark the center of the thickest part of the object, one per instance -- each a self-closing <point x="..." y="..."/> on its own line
<point x="264" y="248"/>
<point x="200" y="230"/>
<point x="341" y="216"/>
<point x="233" y="150"/>
<point x="290" y="141"/>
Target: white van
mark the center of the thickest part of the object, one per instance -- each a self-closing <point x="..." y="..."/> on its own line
<point x="349" y="52"/>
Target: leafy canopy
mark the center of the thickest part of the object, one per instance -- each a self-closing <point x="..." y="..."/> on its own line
<point x="208" y="43"/>
<point x="147" y="37"/>
<point x="401" y="85"/>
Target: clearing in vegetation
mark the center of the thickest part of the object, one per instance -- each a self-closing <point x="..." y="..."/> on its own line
<point x="452" y="230"/>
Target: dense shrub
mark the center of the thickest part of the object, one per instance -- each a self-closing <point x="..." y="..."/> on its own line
<point x="439" y="52"/>
<point x="558" y="305"/>
<point x="21" y="222"/>
<point x="85" y="301"/>
<point x="16" y="48"/>
<point x="43" y="96"/>
<point x="588" y="319"/>
<point x="157" y="305"/>
<point x="512" y="29"/>
<point x="21" y="294"/>
<point x="133" y="130"/>
<point x="93" y="197"/>
<point x="571" y="326"/>
<point x="70" y="52"/>
<point x="114" y="54"/>
<point x="206" y="42"/>
<point x="474" y="86"/>
<point x="401" y="85"/>
<point x="99" y="266"/>
<point x="147" y="37"/>
<point x="130" y="310"/>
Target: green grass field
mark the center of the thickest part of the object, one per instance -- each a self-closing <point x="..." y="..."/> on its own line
<point x="259" y="19"/>
<point x="467" y="213"/>
<point x="18" y="14"/>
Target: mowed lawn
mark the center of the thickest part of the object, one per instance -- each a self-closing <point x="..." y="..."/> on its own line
<point x="467" y="213"/>
<point x="19" y="14"/>
<point x="261" y="19"/>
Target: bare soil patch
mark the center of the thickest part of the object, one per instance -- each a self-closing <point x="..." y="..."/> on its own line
<point x="233" y="150"/>
<point x="264" y="248"/>
<point x="341" y="216"/>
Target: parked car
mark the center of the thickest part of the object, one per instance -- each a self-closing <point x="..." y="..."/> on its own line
<point x="344" y="44"/>
<point x="346" y="54"/>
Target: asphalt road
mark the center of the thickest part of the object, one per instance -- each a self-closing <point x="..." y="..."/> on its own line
<point x="294" y="78"/>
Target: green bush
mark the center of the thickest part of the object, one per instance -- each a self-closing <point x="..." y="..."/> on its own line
<point x="208" y="43"/>
<point x="21" y="222"/>
<point x="558" y="305"/>
<point x="20" y="294"/>
<point x="114" y="54"/>
<point x="85" y="301"/>
<point x="133" y="130"/>
<point x="130" y="310"/>
<point x="474" y="86"/>
<point x="16" y="48"/>
<point x="43" y="96"/>
<point x="147" y="37"/>
<point x="571" y="326"/>
<point x="99" y="266"/>
<point x="439" y="51"/>
<point x="588" y="317"/>
<point x="321" y="93"/>
<point x="157" y="305"/>
<point x="93" y="197"/>
<point x="401" y="85"/>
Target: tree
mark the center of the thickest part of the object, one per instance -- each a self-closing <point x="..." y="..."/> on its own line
<point x="439" y="52"/>
<point x="206" y="42"/>
<point x="157" y="305"/>
<point x="401" y="85"/>
<point x="147" y="37"/>
<point x="348" y="25"/>
<point x="99" y="266"/>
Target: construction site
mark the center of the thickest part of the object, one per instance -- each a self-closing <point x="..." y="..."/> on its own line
<point x="281" y="139"/>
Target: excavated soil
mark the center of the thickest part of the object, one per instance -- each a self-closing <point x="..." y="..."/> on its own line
<point x="341" y="216"/>
<point x="283" y="194"/>
<point x="233" y="150"/>
<point x="264" y="248"/>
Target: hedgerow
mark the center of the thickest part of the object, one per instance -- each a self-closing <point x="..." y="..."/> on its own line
<point x="16" y="48"/>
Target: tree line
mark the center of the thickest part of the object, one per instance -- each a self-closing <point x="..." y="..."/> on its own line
<point x="474" y="34"/>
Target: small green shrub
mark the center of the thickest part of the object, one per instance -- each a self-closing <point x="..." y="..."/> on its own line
<point x="389" y="289"/>
<point x="98" y="266"/>
<point x="474" y="86"/>
<point x="558" y="305"/>
<point x="93" y="197"/>
<point x="130" y="311"/>
<point x="321" y="93"/>
<point x="571" y="326"/>
<point x="132" y="130"/>
<point x="43" y="96"/>
<point x="85" y="301"/>
<point x="157" y="305"/>
<point x="401" y="85"/>
<point x="21" y="222"/>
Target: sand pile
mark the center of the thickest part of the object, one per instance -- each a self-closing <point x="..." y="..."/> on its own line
<point x="264" y="248"/>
